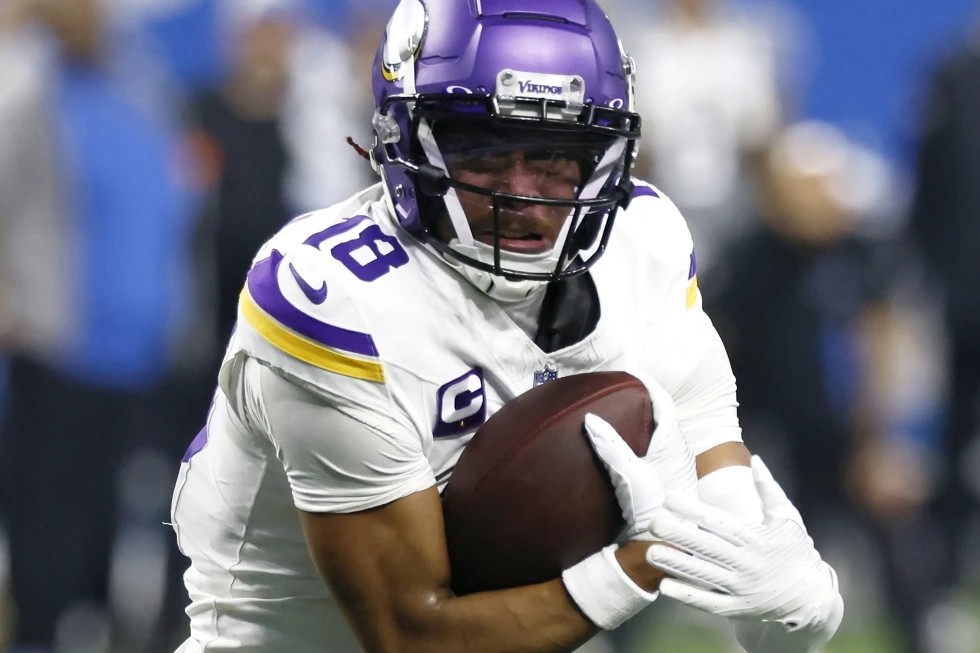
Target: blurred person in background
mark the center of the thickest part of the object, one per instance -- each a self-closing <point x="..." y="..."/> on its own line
<point x="93" y="279"/>
<point x="822" y="353"/>
<point x="708" y="90"/>
<point x="326" y="95"/>
<point x="946" y="224"/>
<point x="268" y="127"/>
<point x="270" y="134"/>
<point x="240" y="129"/>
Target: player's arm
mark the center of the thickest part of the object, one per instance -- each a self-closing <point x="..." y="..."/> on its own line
<point x="764" y="570"/>
<point x="703" y="390"/>
<point x="757" y="558"/>
<point x="389" y="569"/>
<point x="374" y="528"/>
<point x="707" y="407"/>
<point x="722" y="455"/>
<point x="684" y="354"/>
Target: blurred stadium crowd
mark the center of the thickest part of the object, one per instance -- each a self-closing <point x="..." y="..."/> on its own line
<point x="147" y="148"/>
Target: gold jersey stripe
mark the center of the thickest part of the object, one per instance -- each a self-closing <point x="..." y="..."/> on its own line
<point x="306" y="350"/>
<point x="692" y="291"/>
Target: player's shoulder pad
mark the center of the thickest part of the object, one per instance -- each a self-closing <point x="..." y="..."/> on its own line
<point x="653" y="239"/>
<point x="301" y="307"/>
<point x="653" y="222"/>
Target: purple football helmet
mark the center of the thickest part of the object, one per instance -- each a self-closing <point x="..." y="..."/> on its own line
<point x="461" y="75"/>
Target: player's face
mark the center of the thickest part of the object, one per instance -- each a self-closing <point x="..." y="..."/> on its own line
<point x="517" y="162"/>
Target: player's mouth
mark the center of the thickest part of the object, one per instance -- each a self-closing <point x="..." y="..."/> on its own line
<point x="522" y="242"/>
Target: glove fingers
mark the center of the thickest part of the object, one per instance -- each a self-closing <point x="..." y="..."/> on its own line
<point x="775" y="503"/>
<point x="673" y="461"/>
<point x="686" y="567"/>
<point x="722" y="524"/>
<point x="770" y="491"/>
<point x="687" y="536"/>
<point x="637" y="488"/>
<point x="698" y="598"/>
<point x="608" y="444"/>
<point x="799" y="599"/>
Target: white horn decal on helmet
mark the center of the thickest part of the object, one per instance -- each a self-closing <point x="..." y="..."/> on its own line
<point x="403" y="42"/>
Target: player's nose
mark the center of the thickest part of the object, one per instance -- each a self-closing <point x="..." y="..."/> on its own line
<point x="519" y="179"/>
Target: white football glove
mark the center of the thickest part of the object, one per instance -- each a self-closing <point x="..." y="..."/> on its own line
<point x="756" y="573"/>
<point x="669" y="454"/>
<point x="598" y="585"/>
<point x="634" y="479"/>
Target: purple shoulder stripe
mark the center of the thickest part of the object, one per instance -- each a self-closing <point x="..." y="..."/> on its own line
<point x="644" y="191"/>
<point x="694" y="266"/>
<point x="264" y="289"/>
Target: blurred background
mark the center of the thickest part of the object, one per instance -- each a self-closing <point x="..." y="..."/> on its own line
<point x="825" y="152"/>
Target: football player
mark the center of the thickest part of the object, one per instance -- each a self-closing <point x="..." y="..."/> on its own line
<point x="375" y="336"/>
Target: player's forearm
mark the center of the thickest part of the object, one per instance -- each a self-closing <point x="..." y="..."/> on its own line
<point x="723" y="455"/>
<point x="539" y="618"/>
<point x="725" y="481"/>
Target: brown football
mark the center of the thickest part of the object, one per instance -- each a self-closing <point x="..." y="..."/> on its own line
<point x="528" y="497"/>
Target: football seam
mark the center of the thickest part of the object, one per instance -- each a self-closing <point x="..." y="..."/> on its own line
<point x="544" y="425"/>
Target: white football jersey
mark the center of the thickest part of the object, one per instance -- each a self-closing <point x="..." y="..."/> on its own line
<point x="350" y="309"/>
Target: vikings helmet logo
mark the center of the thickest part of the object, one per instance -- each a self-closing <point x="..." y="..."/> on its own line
<point x="403" y="39"/>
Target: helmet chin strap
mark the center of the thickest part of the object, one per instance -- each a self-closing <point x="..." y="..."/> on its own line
<point x="498" y="288"/>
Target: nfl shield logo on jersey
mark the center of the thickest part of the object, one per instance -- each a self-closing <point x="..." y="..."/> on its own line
<point x="549" y="373"/>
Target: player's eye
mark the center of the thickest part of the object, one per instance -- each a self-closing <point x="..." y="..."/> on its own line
<point x="548" y="154"/>
<point x="487" y="164"/>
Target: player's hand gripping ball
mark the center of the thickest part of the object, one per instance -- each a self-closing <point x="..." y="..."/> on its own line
<point x="528" y="497"/>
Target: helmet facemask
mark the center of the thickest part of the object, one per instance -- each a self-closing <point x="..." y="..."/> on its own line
<point x="522" y="198"/>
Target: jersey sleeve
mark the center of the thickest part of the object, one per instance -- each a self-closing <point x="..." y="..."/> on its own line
<point x="307" y="329"/>
<point x="298" y="315"/>
<point x="338" y="456"/>
<point x="707" y="408"/>
<point x="682" y="348"/>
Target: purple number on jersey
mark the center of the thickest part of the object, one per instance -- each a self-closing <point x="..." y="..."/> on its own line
<point x="372" y="254"/>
